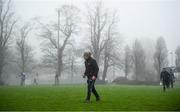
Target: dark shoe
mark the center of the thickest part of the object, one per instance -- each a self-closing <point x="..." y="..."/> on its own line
<point x="98" y="99"/>
<point x="87" y="101"/>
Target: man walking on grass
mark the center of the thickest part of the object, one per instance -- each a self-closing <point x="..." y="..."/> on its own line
<point x="165" y="79"/>
<point x="91" y="72"/>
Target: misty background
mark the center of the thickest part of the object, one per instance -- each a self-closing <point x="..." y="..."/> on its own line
<point x="134" y="33"/>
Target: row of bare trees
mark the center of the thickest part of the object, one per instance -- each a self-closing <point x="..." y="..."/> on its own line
<point x="104" y="37"/>
<point x="136" y="58"/>
<point x="24" y="52"/>
<point x="60" y="52"/>
<point x="10" y="32"/>
<point x="64" y="28"/>
<point x="177" y="52"/>
<point x="102" y="28"/>
<point x="7" y="24"/>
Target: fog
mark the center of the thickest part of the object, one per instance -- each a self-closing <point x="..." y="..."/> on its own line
<point x="138" y="18"/>
<point x="142" y="20"/>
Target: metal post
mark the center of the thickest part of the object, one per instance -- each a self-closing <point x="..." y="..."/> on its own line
<point x="58" y="71"/>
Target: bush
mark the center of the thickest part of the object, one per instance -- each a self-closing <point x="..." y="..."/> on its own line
<point x="123" y="80"/>
<point x="98" y="81"/>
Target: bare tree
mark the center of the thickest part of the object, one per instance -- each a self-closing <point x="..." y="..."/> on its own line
<point x="178" y="58"/>
<point x="110" y="56"/>
<point x="127" y="61"/>
<point x="160" y="56"/>
<point x="139" y="60"/>
<point x="70" y="62"/>
<point x="97" y="19"/>
<point x="7" y="24"/>
<point x="67" y="26"/>
<point x="24" y="51"/>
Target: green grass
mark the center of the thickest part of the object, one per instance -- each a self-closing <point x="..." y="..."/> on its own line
<point x="71" y="97"/>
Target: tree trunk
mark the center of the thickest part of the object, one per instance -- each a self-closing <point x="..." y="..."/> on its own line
<point x="105" y="67"/>
<point x="1" y="66"/>
<point x="96" y="56"/>
<point x="126" y="74"/>
<point x="72" y="69"/>
<point x="159" y="70"/>
<point x="59" y="70"/>
<point x="136" y="73"/>
<point x="104" y="73"/>
<point x="1" y="81"/>
<point x="126" y="69"/>
<point x="56" y="79"/>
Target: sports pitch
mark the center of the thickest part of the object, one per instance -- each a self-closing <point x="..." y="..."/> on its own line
<point x="71" y="97"/>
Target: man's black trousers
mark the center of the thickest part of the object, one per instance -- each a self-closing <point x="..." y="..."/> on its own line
<point x="91" y="88"/>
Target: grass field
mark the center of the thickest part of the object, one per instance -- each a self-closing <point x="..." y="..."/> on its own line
<point x="71" y="97"/>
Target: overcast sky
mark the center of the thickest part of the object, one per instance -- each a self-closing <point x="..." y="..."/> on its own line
<point x="138" y="18"/>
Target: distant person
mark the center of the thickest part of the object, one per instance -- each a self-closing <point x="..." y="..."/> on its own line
<point x="35" y="79"/>
<point x="91" y="73"/>
<point x="23" y="78"/>
<point x="165" y="78"/>
<point x="172" y="78"/>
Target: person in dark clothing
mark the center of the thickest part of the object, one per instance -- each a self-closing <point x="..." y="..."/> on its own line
<point x="172" y="78"/>
<point x="35" y="79"/>
<point x="165" y="78"/>
<point x="23" y="78"/>
<point x="91" y="73"/>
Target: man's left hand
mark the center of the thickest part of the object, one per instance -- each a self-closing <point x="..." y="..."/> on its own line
<point x="93" y="78"/>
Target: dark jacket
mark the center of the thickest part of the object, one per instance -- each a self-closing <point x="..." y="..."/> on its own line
<point x="91" y="68"/>
<point x="165" y="76"/>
